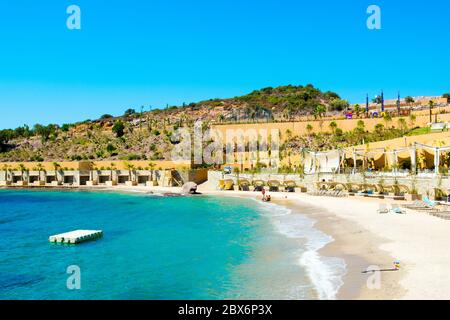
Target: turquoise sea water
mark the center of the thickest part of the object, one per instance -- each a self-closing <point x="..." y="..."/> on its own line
<point x="158" y="248"/>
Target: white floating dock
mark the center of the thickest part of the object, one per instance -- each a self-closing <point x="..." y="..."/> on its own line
<point x="76" y="236"/>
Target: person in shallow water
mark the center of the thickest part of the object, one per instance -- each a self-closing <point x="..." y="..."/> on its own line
<point x="265" y="198"/>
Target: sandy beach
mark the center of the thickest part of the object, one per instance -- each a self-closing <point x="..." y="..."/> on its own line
<point x="364" y="238"/>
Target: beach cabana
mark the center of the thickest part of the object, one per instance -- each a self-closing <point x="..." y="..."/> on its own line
<point x="69" y="179"/>
<point x="51" y="177"/>
<point x="430" y="156"/>
<point x="274" y="185"/>
<point x="34" y="178"/>
<point x="244" y="185"/>
<point x="103" y="178"/>
<point x="352" y="187"/>
<point x="143" y="178"/>
<point x="380" y="188"/>
<point x="367" y="159"/>
<point x="398" y="159"/>
<point x="229" y="184"/>
<point x="388" y="189"/>
<point x="258" y="185"/>
<point x="16" y="177"/>
<point x="323" y="162"/>
<point x="340" y="186"/>
<point x="322" y="186"/>
<point x="289" y="186"/>
<point x="440" y="194"/>
<point x="122" y="178"/>
<point x="84" y="178"/>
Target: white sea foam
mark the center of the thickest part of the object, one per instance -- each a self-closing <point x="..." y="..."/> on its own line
<point x="325" y="273"/>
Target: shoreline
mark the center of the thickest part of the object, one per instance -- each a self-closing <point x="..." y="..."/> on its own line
<point x="363" y="238"/>
<point x="357" y="258"/>
<point x="345" y="234"/>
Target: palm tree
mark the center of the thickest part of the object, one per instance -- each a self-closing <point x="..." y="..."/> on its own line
<point x="152" y="167"/>
<point x="40" y="168"/>
<point x="91" y="173"/>
<point x="360" y="125"/>
<point x="56" y="167"/>
<point x="446" y="96"/>
<point x="130" y="168"/>
<point x="320" y="110"/>
<point x="236" y="172"/>
<point x="412" y="119"/>
<point x="431" y="105"/>
<point x="402" y="124"/>
<point x="140" y="119"/>
<point x="409" y="100"/>
<point x="6" y="168"/>
<point x="379" y="127"/>
<point x="377" y="100"/>
<point x="113" y="168"/>
<point x="22" y="171"/>
<point x="333" y="126"/>
<point x="387" y="118"/>
<point x="357" y="109"/>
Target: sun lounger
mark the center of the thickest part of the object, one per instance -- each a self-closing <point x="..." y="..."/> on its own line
<point x="429" y="203"/>
<point x="342" y="193"/>
<point x="416" y="203"/>
<point x="419" y="205"/>
<point x="383" y="208"/>
<point x="395" y="208"/>
<point x="441" y="214"/>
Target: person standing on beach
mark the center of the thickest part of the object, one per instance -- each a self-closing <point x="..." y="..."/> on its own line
<point x="263" y="191"/>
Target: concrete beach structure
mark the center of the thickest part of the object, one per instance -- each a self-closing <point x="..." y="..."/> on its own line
<point x="85" y="173"/>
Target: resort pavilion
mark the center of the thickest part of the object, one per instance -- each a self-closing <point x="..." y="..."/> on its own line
<point x="322" y="162"/>
<point x="418" y="158"/>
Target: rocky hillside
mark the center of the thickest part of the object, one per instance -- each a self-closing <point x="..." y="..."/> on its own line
<point x="146" y="135"/>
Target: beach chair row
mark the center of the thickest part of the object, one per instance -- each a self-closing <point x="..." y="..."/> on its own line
<point x="259" y="185"/>
<point x="329" y="193"/>
<point x="431" y="207"/>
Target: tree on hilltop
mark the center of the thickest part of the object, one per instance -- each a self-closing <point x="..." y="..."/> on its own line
<point x="118" y="129"/>
<point x="129" y="112"/>
<point x="446" y="96"/>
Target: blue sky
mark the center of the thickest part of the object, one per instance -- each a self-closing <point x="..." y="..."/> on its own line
<point x="157" y="52"/>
